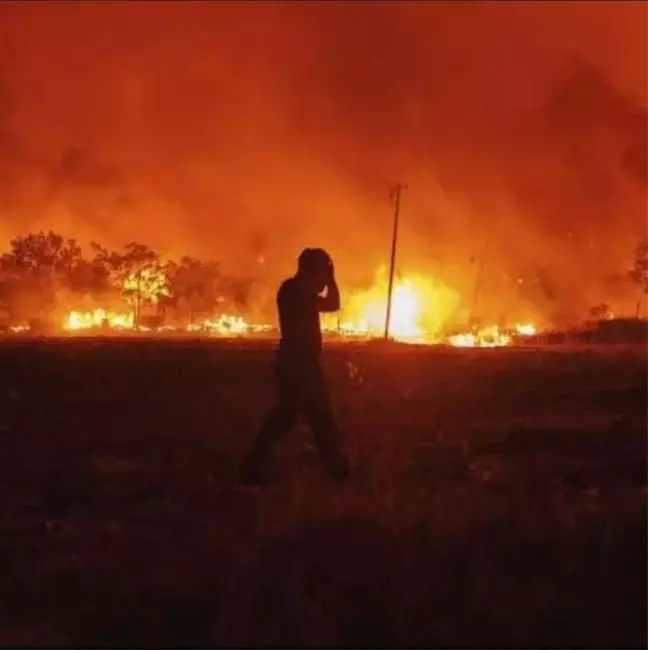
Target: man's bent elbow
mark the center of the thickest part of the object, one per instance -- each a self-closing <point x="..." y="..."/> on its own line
<point x="328" y="306"/>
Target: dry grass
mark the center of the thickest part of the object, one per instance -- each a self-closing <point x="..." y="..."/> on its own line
<point x="499" y="499"/>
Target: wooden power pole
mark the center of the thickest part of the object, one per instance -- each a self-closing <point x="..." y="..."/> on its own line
<point x="396" y="192"/>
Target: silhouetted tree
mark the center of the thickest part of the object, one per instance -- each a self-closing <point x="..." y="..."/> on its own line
<point x="195" y="285"/>
<point x="137" y="273"/>
<point x="44" y="270"/>
<point x="45" y="251"/>
<point x="89" y="278"/>
<point x="601" y="312"/>
<point x="639" y="272"/>
<point x="37" y="267"/>
<point x="7" y="292"/>
<point x="236" y="292"/>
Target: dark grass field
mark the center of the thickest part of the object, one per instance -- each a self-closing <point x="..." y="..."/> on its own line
<point x="499" y="499"/>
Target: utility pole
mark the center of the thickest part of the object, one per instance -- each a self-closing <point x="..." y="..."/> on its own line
<point x="396" y="192"/>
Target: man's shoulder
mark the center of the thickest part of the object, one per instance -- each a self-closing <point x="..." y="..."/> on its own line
<point x="287" y="290"/>
<point x="292" y="291"/>
<point x="287" y="286"/>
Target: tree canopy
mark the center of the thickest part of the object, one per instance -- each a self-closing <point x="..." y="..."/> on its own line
<point x="44" y="272"/>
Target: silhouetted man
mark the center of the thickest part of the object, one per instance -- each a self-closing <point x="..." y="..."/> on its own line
<point x="299" y="376"/>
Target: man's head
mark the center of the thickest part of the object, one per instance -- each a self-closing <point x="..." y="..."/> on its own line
<point x="314" y="265"/>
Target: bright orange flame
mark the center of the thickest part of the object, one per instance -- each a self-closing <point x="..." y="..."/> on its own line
<point x="486" y="337"/>
<point x="525" y="329"/>
<point x="405" y="312"/>
<point x="464" y="340"/>
<point x="227" y="324"/>
<point x="224" y="325"/>
<point x="420" y="307"/>
<point x="77" y="320"/>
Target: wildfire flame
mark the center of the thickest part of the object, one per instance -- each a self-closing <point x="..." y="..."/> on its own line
<point x="490" y="337"/>
<point x="525" y="329"/>
<point x="405" y="311"/>
<point x="421" y="308"/>
<point x="224" y="325"/>
<point x="77" y="320"/>
<point x="487" y="337"/>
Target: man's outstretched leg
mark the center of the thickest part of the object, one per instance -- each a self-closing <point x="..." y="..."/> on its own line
<point x="278" y="421"/>
<point x="321" y="421"/>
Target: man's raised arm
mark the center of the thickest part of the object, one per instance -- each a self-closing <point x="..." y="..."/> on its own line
<point x="331" y="301"/>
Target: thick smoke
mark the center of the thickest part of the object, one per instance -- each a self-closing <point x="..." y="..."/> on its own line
<point x="244" y="131"/>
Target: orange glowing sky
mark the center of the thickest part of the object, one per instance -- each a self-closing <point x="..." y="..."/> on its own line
<point x="231" y="130"/>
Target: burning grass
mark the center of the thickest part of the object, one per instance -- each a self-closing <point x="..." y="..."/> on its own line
<point x="422" y="307"/>
<point x="499" y="498"/>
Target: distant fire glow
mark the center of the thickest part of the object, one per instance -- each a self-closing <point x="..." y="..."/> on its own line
<point x="487" y="337"/>
<point x="406" y="311"/>
<point x="422" y="308"/>
<point x="97" y="318"/>
<point x="421" y="305"/>
<point x="525" y="329"/>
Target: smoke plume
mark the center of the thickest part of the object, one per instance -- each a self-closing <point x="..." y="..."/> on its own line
<point x="245" y="131"/>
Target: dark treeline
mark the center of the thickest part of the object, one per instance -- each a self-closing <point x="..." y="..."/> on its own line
<point x="44" y="275"/>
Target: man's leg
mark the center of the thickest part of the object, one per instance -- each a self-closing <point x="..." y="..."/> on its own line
<point x="278" y="421"/>
<point x="318" y="414"/>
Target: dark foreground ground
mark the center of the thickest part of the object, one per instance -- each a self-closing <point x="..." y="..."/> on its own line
<point x="499" y="499"/>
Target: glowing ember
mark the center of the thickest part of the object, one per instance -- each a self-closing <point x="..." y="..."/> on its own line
<point x="223" y="325"/>
<point x="463" y="340"/>
<point x="525" y="329"/>
<point x="486" y="337"/>
<point x="491" y="336"/>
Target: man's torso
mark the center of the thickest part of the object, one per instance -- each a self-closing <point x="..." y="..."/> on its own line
<point x="301" y="337"/>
